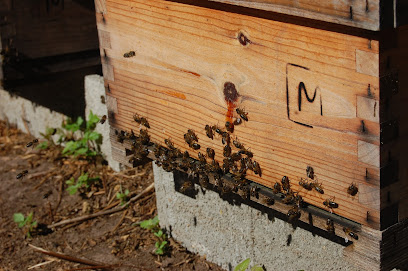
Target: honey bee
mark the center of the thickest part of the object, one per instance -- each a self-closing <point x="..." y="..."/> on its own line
<point x="330" y="226"/>
<point x="227" y="151"/>
<point x="144" y="137"/>
<point x="32" y="143"/>
<point x="285" y="183"/>
<point x="226" y="139"/>
<point x="195" y="146"/>
<point x="217" y="130"/>
<point x="237" y="121"/>
<point x="352" y="189"/>
<point x="226" y="166"/>
<point x="144" y="122"/>
<point x="254" y="191"/>
<point x="318" y="187"/>
<point x="293" y="214"/>
<point x="257" y="168"/>
<point x="137" y="118"/>
<point x="246" y="152"/>
<point x="236" y="156"/>
<point x="305" y="184"/>
<point x="229" y="126"/>
<point x="192" y="134"/>
<point x="103" y="99"/>
<point x="22" y="174"/>
<point x="269" y="201"/>
<point x="201" y="157"/>
<point x="277" y="188"/>
<point x="186" y="186"/>
<point x="103" y="119"/>
<point x="204" y="181"/>
<point x="237" y="144"/>
<point x="350" y="233"/>
<point x="329" y="203"/>
<point x="210" y="153"/>
<point x="209" y="131"/>
<point x="242" y="114"/>
<point x="129" y="54"/>
<point x="310" y="172"/>
<point x="169" y="143"/>
<point x="289" y="198"/>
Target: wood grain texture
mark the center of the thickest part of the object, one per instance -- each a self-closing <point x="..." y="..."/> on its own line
<point x="184" y="56"/>
<point x="362" y="14"/>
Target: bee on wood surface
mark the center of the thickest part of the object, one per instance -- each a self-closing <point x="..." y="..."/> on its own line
<point x="144" y="122"/>
<point x="201" y="157"/>
<point x="350" y="233"/>
<point x="255" y="192"/>
<point x="318" y="187"/>
<point x="129" y="54"/>
<point x="285" y="183"/>
<point x="186" y="186"/>
<point x="192" y="135"/>
<point x="237" y="144"/>
<point x="226" y="166"/>
<point x="241" y="112"/>
<point x="269" y="201"/>
<point x="330" y="226"/>
<point x="169" y="143"/>
<point x="103" y="119"/>
<point x="144" y="137"/>
<point x="204" y="181"/>
<point x="210" y="153"/>
<point x="209" y="131"/>
<point x="226" y="139"/>
<point x="246" y="152"/>
<point x="310" y="172"/>
<point x="217" y="129"/>
<point x="229" y="126"/>
<point x="289" y="198"/>
<point x="352" y="189"/>
<point x="237" y="121"/>
<point x="329" y="203"/>
<point x="137" y="118"/>
<point x="22" y="174"/>
<point x="120" y="137"/>
<point x="236" y="156"/>
<point x="227" y="151"/>
<point x="195" y="146"/>
<point x="257" y="168"/>
<point x="305" y="184"/>
<point x="32" y="143"/>
<point x="293" y="214"/>
<point x="277" y="188"/>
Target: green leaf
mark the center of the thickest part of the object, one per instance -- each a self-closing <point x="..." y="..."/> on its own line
<point x="70" y="181"/>
<point x="34" y="224"/>
<point x="243" y="265"/>
<point x="83" y="178"/>
<point x="69" y="147"/>
<point x="157" y="244"/>
<point x="43" y="145"/>
<point x="163" y="244"/>
<point x="79" y="121"/>
<point x="81" y="151"/>
<point x="94" y="136"/>
<point x="92" y="121"/>
<point x="257" y="268"/>
<point x="72" y="189"/>
<point x="159" y="251"/>
<point x="150" y="223"/>
<point x="18" y="218"/>
<point x="159" y="233"/>
<point x="126" y="192"/>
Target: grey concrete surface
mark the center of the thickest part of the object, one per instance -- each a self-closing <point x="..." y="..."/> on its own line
<point x="94" y="90"/>
<point x="227" y="234"/>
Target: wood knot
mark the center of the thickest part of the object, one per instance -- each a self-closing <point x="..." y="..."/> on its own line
<point x="230" y="92"/>
<point x="243" y="39"/>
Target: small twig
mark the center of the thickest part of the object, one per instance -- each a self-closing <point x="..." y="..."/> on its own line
<point x="107" y="212"/>
<point x="50" y="211"/>
<point x="120" y="221"/>
<point x="40" y="264"/>
<point x="66" y="257"/>
<point x="93" y="267"/>
<point x="59" y="196"/>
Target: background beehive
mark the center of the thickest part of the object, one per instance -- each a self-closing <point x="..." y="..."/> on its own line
<point x="184" y="56"/>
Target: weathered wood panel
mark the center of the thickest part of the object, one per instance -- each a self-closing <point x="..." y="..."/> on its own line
<point x="185" y="55"/>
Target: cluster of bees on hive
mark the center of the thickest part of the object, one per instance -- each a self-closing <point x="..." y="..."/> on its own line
<point x="237" y="160"/>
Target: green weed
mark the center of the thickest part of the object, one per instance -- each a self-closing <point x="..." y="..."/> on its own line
<point x="153" y="225"/>
<point x="242" y="266"/>
<point x="82" y="181"/>
<point x="26" y="222"/>
<point x="122" y="196"/>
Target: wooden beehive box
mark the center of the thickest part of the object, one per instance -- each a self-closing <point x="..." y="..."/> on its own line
<point x="318" y="94"/>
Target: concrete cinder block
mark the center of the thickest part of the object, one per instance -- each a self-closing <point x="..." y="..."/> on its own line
<point x="227" y="234"/>
<point x="94" y="90"/>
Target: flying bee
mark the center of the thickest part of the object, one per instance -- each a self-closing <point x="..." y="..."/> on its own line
<point x="22" y="174"/>
<point x="32" y="143"/>
<point x="257" y="168"/>
<point x="293" y="214"/>
<point x="285" y="183"/>
<point x="330" y="226"/>
<point x="226" y="139"/>
<point x="129" y="54"/>
<point x="329" y="203"/>
<point x="305" y="184"/>
<point x="352" y="189"/>
<point x="103" y="119"/>
<point x="277" y="188"/>
<point x="242" y="114"/>
<point x="350" y="233"/>
<point x="310" y="172"/>
<point x="318" y="187"/>
<point x="237" y="121"/>
<point x="229" y="126"/>
<point x="209" y="131"/>
<point x="227" y="151"/>
<point x="186" y="186"/>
